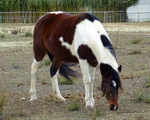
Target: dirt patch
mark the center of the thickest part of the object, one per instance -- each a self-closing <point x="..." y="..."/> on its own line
<point x="16" y="58"/>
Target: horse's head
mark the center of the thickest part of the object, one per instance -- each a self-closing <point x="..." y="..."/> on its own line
<point x="110" y="84"/>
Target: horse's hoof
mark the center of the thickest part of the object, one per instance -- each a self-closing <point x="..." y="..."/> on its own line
<point x="33" y="98"/>
<point x="60" y="99"/>
<point x="90" y="108"/>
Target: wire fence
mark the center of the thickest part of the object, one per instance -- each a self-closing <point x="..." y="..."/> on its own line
<point x="103" y="16"/>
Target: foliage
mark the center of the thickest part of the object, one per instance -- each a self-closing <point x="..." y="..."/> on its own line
<point x="148" y="82"/>
<point x="64" y="5"/>
<point x="14" y="32"/>
<point x="28" y="34"/>
<point x="96" y="113"/>
<point x="64" y="81"/>
<point x="136" y="41"/>
<point x="143" y="97"/>
<point x="75" y="106"/>
<point x="2" y="35"/>
<point x="3" y="100"/>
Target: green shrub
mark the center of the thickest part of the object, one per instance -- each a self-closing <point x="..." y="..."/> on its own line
<point x="143" y="97"/>
<point x="96" y="113"/>
<point x="136" y="41"/>
<point x="28" y="34"/>
<point x="148" y="82"/>
<point x="75" y="106"/>
<point x="64" y="81"/>
<point x="15" y="32"/>
<point x="3" y="100"/>
<point x="2" y="35"/>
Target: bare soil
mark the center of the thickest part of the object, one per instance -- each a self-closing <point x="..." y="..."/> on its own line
<point x="16" y="57"/>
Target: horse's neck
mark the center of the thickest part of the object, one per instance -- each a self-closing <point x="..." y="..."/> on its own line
<point x="103" y="55"/>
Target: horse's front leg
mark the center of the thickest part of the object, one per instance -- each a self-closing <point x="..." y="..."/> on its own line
<point x="92" y="74"/>
<point x="87" y="84"/>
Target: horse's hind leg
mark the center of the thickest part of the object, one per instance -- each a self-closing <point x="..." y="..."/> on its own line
<point x="34" y="70"/>
<point x="54" y="70"/>
<point x="39" y="53"/>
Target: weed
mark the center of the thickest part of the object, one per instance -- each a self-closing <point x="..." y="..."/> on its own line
<point x="143" y="97"/>
<point x="96" y="113"/>
<point x="28" y="34"/>
<point x="45" y="62"/>
<point x="2" y="35"/>
<point x="15" y="32"/>
<point x="75" y="106"/>
<point x="148" y="82"/>
<point x="136" y="41"/>
<point x="64" y="81"/>
<point x="135" y="52"/>
<point x="15" y="65"/>
<point x="140" y="96"/>
<point x="3" y="100"/>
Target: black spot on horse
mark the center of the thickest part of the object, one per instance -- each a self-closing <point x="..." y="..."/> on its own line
<point x="106" y="42"/>
<point x="86" y="53"/>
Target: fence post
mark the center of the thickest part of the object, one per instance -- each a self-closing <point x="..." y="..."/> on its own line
<point x="25" y="17"/>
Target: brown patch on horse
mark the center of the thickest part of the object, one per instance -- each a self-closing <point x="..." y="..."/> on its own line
<point x="50" y="28"/>
<point x="86" y="53"/>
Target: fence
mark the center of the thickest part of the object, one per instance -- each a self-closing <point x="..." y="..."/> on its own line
<point x="103" y="16"/>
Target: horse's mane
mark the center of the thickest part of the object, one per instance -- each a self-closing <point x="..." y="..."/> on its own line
<point x="106" y="42"/>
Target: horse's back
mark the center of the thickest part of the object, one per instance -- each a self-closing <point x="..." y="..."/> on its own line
<point x="53" y="26"/>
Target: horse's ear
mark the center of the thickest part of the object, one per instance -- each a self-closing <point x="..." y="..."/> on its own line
<point x="104" y="68"/>
<point x="120" y="68"/>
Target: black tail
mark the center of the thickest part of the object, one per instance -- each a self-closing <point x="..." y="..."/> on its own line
<point x="65" y="69"/>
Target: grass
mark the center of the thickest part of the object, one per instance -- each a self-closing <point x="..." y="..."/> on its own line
<point x="135" y="52"/>
<point x="96" y="113"/>
<point x="143" y="97"/>
<point x="64" y="81"/>
<point x="3" y="100"/>
<point x="75" y="106"/>
<point x="28" y="34"/>
<point x="135" y="41"/>
<point x="148" y="82"/>
<point x="2" y="35"/>
<point x="15" y="32"/>
<point x="45" y="62"/>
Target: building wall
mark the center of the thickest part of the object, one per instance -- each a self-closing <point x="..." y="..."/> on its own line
<point x="139" y="12"/>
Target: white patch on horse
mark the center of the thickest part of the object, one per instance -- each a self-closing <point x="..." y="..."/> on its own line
<point x="56" y="12"/>
<point x="114" y="83"/>
<point x="34" y="71"/>
<point x="100" y="29"/>
<point x="86" y="33"/>
<point x="68" y="46"/>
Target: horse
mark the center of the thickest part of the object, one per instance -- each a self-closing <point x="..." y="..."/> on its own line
<point x="71" y="39"/>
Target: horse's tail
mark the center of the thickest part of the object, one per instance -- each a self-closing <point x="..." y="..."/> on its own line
<point x="65" y="69"/>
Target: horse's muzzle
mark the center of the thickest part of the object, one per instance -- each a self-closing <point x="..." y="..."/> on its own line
<point x="113" y="107"/>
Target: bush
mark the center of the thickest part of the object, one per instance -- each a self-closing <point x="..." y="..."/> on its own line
<point x="75" y="106"/>
<point x="64" y="81"/>
<point x="15" y="32"/>
<point x="28" y="34"/>
<point x="3" y="100"/>
<point x="2" y="35"/>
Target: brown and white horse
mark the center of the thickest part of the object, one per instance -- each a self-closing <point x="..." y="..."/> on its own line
<point x="76" y="39"/>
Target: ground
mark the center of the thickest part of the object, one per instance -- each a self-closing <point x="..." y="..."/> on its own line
<point x="131" y="42"/>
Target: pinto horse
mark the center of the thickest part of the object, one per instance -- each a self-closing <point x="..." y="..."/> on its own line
<point x="79" y="39"/>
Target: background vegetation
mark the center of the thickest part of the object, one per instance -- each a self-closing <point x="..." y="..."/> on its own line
<point x="64" y="5"/>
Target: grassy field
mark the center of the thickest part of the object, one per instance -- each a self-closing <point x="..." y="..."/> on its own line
<point x="131" y="42"/>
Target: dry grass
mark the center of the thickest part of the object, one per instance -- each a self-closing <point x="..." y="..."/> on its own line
<point x="3" y="100"/>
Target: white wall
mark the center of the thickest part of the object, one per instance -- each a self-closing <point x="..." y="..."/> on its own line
<point x="140" y="12"/>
